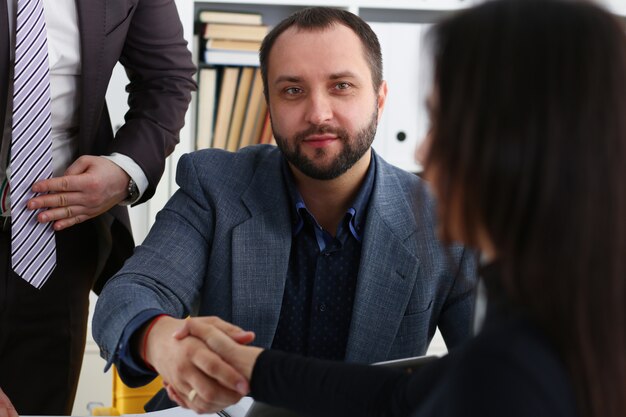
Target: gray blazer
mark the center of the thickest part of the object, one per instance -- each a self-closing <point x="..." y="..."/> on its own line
<point x="221" y="247"/>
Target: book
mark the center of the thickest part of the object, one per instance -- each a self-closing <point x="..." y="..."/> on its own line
<point x="266" y="133"/>
<point x="257" y="134"/>
<point x="205" y="114"/>
<point x="231" y="57"/>
<point x="239" y="108"/>
<point x="228" y="88"/>
<point x="234" y="31"/>
<point x="219" y="16"/>
<point x="233" y="45"/>
<point x="255" y="113"/>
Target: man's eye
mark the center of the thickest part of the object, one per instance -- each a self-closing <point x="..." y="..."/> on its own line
<point x="292" y="91"/>
<point x="342" y="86"/>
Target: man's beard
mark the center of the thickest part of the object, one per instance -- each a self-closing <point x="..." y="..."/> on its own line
<point x="353" y="149"/>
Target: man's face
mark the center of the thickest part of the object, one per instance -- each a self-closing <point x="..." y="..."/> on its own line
<point x="323" y="107"/>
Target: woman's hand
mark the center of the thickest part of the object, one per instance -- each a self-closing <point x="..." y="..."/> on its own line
<point x="239" y="356"/>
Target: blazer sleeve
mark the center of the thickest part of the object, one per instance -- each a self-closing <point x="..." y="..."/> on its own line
<point x="456" y="320"/>
<point x="167" y="272"/>
<point x="160" y="70"/>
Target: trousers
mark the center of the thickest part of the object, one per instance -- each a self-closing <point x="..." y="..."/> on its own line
<point x="43" y="332"/>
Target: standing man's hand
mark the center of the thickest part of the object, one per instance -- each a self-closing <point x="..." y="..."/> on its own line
<point x="6" y="408"/>
<point x="194" y="375"/>
<point x="90" y="186"/>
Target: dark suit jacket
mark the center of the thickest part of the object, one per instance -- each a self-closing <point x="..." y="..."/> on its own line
<point x="145" y="36"/>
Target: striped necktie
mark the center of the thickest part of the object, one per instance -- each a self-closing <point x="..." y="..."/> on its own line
<point x="33" y="251"/>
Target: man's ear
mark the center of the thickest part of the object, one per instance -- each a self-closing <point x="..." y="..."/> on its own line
<point x="382" y="98"/>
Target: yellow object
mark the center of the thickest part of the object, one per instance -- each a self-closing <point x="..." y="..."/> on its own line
<point x="128" y="400"/>
<point x="105" y="411"/>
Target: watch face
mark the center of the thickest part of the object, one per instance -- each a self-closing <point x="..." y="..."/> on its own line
<point x="133" y="191"/>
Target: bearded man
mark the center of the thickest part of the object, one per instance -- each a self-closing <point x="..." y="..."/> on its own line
<point x="318" y="245"/>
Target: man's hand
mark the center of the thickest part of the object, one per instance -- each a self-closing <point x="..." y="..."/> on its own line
<point x="231" y="350"/>
<point x="90" y="186"/>
<point x="195" y="376"/>
<point x="6" y="408"/>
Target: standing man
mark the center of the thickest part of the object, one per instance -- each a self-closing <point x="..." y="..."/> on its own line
<point x="90" y="174"/>
<point x="319" y="246"/>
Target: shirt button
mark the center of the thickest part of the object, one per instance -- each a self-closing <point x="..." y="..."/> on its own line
<point x="322" y="307"/>
<point x="327" y="254"/>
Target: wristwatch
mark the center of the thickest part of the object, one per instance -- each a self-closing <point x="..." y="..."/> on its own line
<point x="133" y="192"/>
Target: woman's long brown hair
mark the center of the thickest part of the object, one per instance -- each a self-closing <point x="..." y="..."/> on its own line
<point x="529" y="143"/>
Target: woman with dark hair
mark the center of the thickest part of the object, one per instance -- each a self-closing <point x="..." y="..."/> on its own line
<point x="527" y="156"/>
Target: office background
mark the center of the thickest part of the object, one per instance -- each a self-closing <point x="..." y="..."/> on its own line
<point x="399" y="24"/>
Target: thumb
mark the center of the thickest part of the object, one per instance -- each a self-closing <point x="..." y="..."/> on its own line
<point x="79" y="166"/>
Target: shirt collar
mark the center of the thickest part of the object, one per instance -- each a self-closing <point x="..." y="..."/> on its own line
<point x="355" y="215"/>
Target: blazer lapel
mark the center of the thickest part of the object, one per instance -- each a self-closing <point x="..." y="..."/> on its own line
<point x="261" y="248"/>
<point x="387" y="272"/>
<point x="4" y="60"/>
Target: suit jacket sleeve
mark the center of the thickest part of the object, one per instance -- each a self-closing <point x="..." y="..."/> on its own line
<point x="455" y="321"/>
<point x="160" y="70"/>
<point x="167" y="271"/>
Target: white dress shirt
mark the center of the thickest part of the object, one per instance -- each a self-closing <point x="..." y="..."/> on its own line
<point x="65" y="72"/>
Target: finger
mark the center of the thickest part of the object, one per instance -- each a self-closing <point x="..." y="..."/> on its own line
<point x="174" y="396"/>
<point x="198" y="326"/>
<point x="182" y="332"/>
<point x="217" y="322"/>
<point x="211" y="399"/>
<point x="79" y="166"/>
<point x="243" y="338"/>
<point x="6" y="407"/>
<point x="62" y="199"/>
<point x="235" y="332"/>
<point x="236" y="355"/>
<point x="188" y="375"/>
<point x="222" y="372"/>
<point x="73" y="213"/>
<point x="60" y="184"/>
<point x="67" y="223"/>
<point x="221" y="344"/>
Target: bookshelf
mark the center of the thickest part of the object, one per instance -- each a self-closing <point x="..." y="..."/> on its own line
<point x="386" y="11"/>
<point x="407" y="12"/>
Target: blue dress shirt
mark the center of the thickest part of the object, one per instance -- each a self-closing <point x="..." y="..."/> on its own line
<point x="321" y="278"/>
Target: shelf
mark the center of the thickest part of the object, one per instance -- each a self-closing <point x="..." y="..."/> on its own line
<point x="433" y="5"/>
<point x="273" y="11"/>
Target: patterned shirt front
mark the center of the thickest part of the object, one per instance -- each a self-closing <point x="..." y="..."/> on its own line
<point x="322" y="276"/>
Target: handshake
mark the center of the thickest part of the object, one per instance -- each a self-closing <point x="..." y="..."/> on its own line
<point x="204" y="361"/>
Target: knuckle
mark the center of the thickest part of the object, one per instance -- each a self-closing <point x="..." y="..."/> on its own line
<point x="212" y="367"/>
<point x="65" y="184"/>
<point x="93" y="200"/>
<point x="208" y="395"/>
<point x="92" y="184"/>
<point x="68" y="212"/>
<point x="179" y="368"/>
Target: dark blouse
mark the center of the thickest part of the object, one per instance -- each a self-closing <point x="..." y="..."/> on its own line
<point x="508" y="369"/>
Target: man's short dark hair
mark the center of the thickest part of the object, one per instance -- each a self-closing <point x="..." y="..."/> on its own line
<point x="320" y="18"/>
